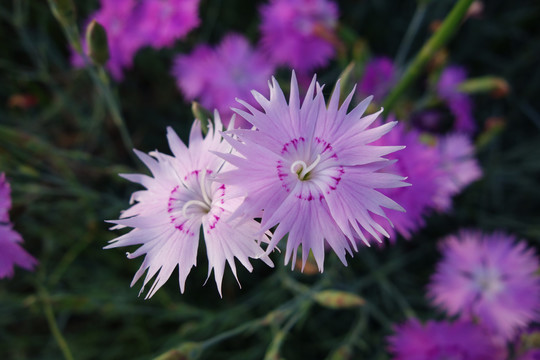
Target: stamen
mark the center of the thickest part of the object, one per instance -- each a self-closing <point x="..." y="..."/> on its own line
<point x="305" y="169"/>
<point x="203" y="188"/>
<point x="203" y="205"/>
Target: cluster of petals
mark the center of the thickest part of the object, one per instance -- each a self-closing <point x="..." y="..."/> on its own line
<point x="420" y="163"/>
<point x="299" y="33"/>
<point x="236" y="69"/>
<point x="489" y="278"/>
<point x="181" y="198"/>
<point x="11" y="252"/>
<point x="132" y="24"/>
<point x="312" y="169"/>
<point x="461" y="340"/>
<point x="459" y="166"/>
<point x="459" y="103"/>
<point x="378" y="78"/>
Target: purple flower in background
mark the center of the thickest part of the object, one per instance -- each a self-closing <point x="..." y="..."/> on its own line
<point x="11" y="252"/>
<point x="164" y="21"/>
<point x="488" y="278"/>
<point x="443" y="340"/>
<point x="131" y="25"/>
<point x="178" y="200"/>
<point x="419" y="163"/>
<point x="216" y="77"/>
<point x="378" y="78"/>
<point x="460" y="104"/>
<point x="311" y="170"/>
<point x="459" y="166"/>
<point x="299" y="33"/>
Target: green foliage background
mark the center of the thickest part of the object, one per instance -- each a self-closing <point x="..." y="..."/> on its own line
<point x="62" y="157"/>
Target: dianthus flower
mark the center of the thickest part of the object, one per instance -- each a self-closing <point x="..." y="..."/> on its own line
<point x="164" y="21"/>
<point x="419" y="163"/>
<point x="443" y="340"/>
<point x="237" y="69"/>
<point x="459" y="103"/>
<point x="11" y="252"/>
<point x="378" y="78"/>
<point x="132" y="24"/>
<point x="299" y="33"/>
<point x="179" y="199"/>
<point x="310" y="169"/>
<point x="489" y="278"/>
<point x="459" y="166"/>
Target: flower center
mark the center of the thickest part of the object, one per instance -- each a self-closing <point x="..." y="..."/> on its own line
<point x="194" y="206"/>
<point x="488" y="281"/>
<point x="302" y="170"/>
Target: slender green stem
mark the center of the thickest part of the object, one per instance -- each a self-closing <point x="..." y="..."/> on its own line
<point x="49" y="314"/>
<point x="437" y="41"/>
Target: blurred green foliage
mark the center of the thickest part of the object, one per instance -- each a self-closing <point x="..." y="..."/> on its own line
<point x="61" y="150"/>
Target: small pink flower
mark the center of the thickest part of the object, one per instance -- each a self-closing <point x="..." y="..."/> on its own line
<point x="459" y="166"/>
<point x="420" y="164"/>
<point x="488" y="278"/>
<point x="312" y="171"/>
<point x="179" y="199"/>
<point x="11" y="252"/>
<point x="460" y="104"/>
<point x="236" y="69"/>
<point x="298" y="33"/>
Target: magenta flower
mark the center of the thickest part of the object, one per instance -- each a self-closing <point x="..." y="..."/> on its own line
<point x="490" y="278"/>
<point x="378" y="78"/>
<point x="179" y="199"/>
<point x="164" y="21"/>
<point x="443" y="340"/>
<point x="132" y="24"/>
<point x="237" y="69"/>
<point x="459" y="166"/>
<point x="419" y="163"/>
<point x="299" y="33"/>
<point x="459" y="103"/>
<point x="312" y="170"/>
<point x="11" y="252"/>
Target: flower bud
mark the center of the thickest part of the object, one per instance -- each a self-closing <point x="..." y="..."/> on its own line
<point x="98" y="48"/>
<point x="336" y="299"/>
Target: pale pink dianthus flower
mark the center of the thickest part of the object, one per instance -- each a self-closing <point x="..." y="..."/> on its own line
<point x="311" y="170"/>
<point x="179" y="199"/>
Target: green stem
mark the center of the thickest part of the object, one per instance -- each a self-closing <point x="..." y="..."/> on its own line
<point x="49" y="314"/>
<point x="437" y="41"/>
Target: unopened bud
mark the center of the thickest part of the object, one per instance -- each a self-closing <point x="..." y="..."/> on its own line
<point x="96" y="38"/>
<point x="336" y="299"/>
<point x="496" y="86"/>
